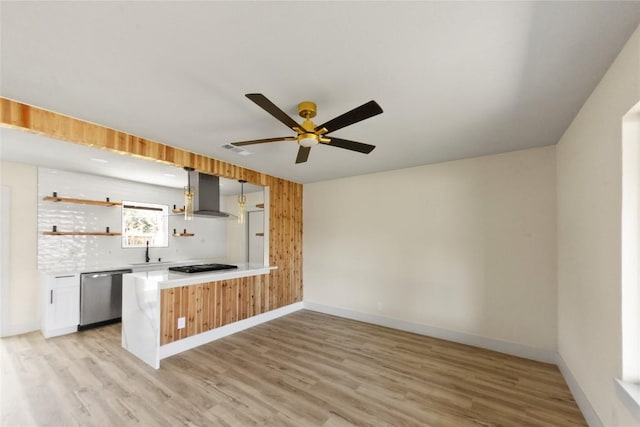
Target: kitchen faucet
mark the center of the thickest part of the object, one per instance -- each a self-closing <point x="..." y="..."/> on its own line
<point x="146" y="254"/>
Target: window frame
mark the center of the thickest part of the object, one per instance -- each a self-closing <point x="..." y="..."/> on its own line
<point x="160" y="238"/>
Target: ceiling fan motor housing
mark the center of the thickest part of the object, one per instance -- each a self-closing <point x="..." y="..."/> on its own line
<point x="307" y="109"/>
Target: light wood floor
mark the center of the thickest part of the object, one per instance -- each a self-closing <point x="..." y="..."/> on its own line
<point x="305" y="369"/>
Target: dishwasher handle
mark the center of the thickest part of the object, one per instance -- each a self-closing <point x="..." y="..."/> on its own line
<point x="95" y="276"/>
<point x="106" y="273"/>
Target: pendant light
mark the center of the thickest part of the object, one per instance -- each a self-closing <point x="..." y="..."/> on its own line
<point x="188" y="196"/>
<point x="242" y="199"/>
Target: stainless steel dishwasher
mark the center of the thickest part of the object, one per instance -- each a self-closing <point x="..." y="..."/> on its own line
<point x="100" y="298"/>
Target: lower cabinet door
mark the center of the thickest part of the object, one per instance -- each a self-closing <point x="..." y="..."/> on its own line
<point x="64" y="310"/>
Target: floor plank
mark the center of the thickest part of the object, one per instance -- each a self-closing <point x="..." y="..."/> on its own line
<point x="304" y="369"/>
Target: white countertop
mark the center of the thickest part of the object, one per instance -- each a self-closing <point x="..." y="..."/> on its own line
<point x="165" y="279"/>
<point x="136" y="267"/>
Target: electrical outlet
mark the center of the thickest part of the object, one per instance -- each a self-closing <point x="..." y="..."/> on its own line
<point x="181" y="322"/>
<point x="379" y="306"/>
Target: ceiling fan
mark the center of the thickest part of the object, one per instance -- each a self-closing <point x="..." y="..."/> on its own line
<point x="308" y="133"/>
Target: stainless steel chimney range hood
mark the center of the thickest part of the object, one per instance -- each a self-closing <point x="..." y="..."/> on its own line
<point x="206" y="200"/>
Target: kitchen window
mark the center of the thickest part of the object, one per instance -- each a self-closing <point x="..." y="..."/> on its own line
<point x="144" y="222"/>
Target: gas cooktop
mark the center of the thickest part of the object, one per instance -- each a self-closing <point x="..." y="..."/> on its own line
<point x="200" y="268"/>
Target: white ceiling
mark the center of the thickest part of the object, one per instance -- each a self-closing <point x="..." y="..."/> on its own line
<point x="25" y="147"/>
<point x="455" y="79"/>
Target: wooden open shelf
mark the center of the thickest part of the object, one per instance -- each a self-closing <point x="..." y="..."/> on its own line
<point x="183" y="234"/>
<point x="79" y="233"/>
<point x="81" y="201"/>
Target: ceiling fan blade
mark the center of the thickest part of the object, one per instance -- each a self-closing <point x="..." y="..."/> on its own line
<point x="356" y="115"/>
<point x="303" y="154"/>
<point x="350" y="145"/>
<point x="273" y="109"/>
<point x="260" y="141"/>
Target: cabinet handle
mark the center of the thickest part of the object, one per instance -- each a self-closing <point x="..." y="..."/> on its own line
<point x="51" y="296"/>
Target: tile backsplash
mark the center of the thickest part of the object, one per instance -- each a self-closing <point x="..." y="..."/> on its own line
<point x="84" y="253"/>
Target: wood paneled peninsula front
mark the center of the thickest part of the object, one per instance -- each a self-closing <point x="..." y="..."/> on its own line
<point x="164" y="313"/>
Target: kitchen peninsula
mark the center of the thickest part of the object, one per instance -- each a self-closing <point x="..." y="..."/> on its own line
<point x="166" y="312"/>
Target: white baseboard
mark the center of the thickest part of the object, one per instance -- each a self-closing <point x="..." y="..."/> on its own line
<point x="50" y="333"/>
<point x="515" y="349"/>
<point x="224" y="331"/>
<point x="8" y="331"/>
<point x="581" y="399"/>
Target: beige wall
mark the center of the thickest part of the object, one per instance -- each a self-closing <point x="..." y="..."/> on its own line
<point x="589" y="239"/>
<point x="20" y="295"/>
<point x="466" y="246"/>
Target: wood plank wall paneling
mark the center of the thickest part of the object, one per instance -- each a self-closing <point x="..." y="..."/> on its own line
<point x="248" y="296"/>
<point x="206" y="306"/>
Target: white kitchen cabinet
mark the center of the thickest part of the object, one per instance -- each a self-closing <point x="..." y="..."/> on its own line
<point x="61" y="304"/>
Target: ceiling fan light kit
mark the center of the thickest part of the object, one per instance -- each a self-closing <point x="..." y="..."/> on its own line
<point x="308" y="133"/>
<point x="308" y="140"/>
